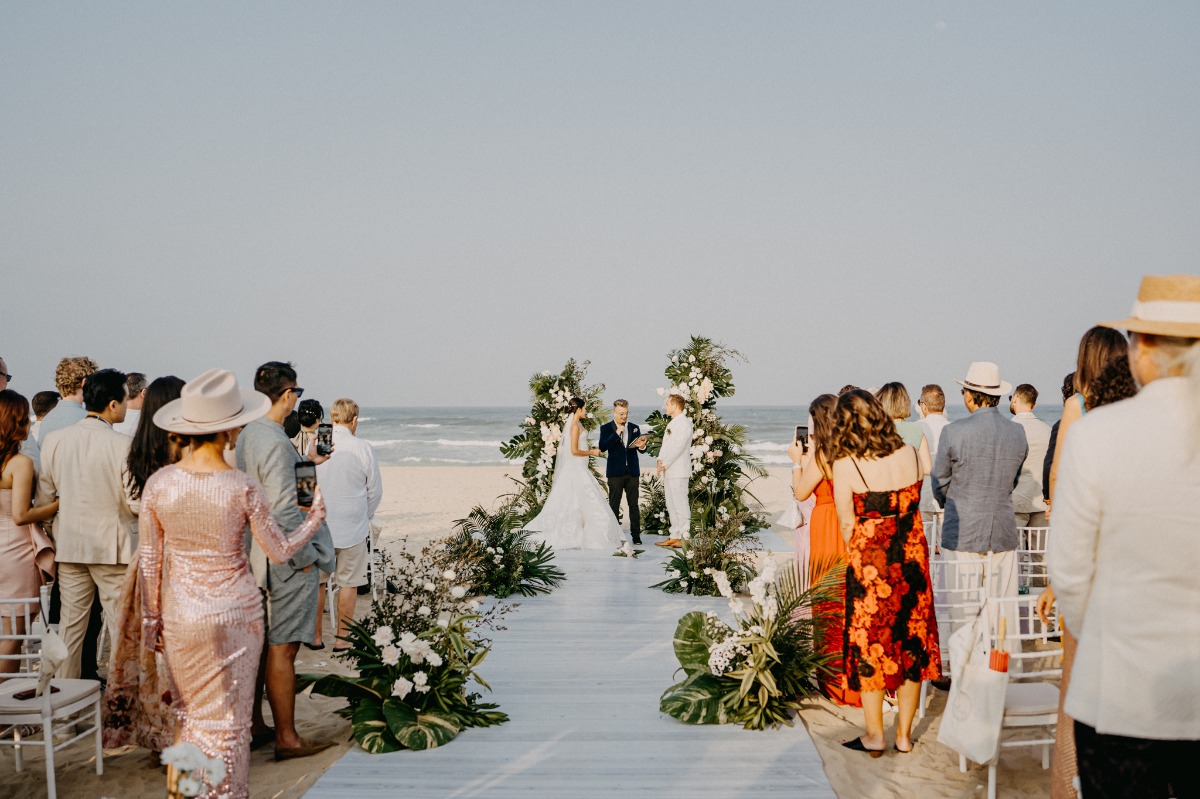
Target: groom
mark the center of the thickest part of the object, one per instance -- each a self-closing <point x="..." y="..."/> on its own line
<point x="622" y="440"/>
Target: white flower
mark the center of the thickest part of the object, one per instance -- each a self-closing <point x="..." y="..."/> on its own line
<point x="450" y="575"/>
<point x="383" y="636"/>
<point x="433" y="659"/>
<point x="184" y="757"/>
<point x="473" y="604"/>
<point x="424" y="610"/>
<point x="458" y="592"/>
<point x="390" y="655"/>
<point x="694" y="575"/>
<point x="444" y="620"/>
<point x="420" y="678"/>
<point x="530" y="421"/>
<point x="214" y="771"/>
<point x="491" y="551"/>
<point x="661" y="391"/>
<point x="683" y="584"/>
<point x="188" y="786"/>
<point x="691" y="359"/>
<point x="401" y="687"/>
<point x="498" y="560"/>
<point x="500" y="550"/>
<point x="422" y="689"/>
<point x="736" y="606"/>
<point x="429" y="586"/>
<point x="708" y="440"/>
<point x="546" y="373"/>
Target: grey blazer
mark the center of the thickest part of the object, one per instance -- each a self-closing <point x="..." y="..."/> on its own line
<point x="265" y="453"/>
<point x="978" y="464"/>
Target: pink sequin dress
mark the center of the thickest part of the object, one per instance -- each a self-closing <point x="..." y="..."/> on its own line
<point x="200" y="596"/>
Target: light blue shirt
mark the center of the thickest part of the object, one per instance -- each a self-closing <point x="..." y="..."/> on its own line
<point x="66" y="413"/>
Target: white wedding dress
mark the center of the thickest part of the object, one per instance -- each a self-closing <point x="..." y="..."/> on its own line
<point x="576" y="514"/>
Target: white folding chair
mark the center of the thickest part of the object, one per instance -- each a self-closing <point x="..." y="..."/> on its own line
<point x="932" y="520"/>
<point x="1034" y="674"/>
<point x="374" y="562"/>
<point x="1032" y="577"/>
<point x="62" y="704"/>
<point x="957" y="596"/>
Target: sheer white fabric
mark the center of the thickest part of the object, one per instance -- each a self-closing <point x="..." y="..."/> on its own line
<point x="576" y="514"/>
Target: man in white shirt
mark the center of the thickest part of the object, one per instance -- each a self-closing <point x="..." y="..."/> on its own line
<point x="1027" y="499"/>
<point x="932" y="407"/>
<point x="353" y="488"/>
<point x="135" y="387"/>
<point x="1124" y="555"/>
<point x="675" y="467"/>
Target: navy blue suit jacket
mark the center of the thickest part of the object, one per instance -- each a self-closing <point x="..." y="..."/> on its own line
<point x="621" y="461"/>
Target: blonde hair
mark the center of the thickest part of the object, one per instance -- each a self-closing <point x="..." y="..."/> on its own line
<point x="71" y="372"/>
<point x="343" y="411"/>
<point x="895" y="399"/>
<point x="677" y="400"/>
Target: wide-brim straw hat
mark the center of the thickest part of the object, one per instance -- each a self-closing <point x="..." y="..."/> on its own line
<point x="984" y="377"/>
<point x="211" y="403"/>
<point x="1167" y="305"/>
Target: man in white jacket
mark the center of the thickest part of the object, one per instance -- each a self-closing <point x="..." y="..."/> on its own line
<point x="675" y="467"/>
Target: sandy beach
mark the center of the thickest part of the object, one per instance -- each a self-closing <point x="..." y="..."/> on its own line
<point x="421" y="504"/>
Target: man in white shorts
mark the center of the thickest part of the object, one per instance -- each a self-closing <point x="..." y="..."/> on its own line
<point x="353" y="488"/>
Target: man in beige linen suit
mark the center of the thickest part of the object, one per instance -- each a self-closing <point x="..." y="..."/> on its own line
<point x="83" y="466"/>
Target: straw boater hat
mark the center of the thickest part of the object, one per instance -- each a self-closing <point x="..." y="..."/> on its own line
<point x="211" y="403"/>
<point x="984" y="377"/>
<point x="1167" y="305"/>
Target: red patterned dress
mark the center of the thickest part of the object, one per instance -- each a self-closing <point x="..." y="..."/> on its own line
<point x="891" y="635"/>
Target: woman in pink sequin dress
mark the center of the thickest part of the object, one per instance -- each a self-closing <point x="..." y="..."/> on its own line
<point x="200" y="602"/>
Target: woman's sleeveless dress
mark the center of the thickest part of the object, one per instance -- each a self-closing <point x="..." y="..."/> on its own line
<point x="891" y="634"/>
<point x="826" y="544"/>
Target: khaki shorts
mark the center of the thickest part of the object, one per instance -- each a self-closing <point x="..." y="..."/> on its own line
<point x="351" y="568"/>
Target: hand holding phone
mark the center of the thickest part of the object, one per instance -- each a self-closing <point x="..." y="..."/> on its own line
<point x="324" y="439"/>
<point x="802" y="436"/>
<point x="306" y="484"/>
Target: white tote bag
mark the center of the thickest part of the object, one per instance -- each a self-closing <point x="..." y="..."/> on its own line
<point x="975" y="709"/>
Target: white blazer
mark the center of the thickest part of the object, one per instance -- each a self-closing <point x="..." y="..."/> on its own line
<point x="1124" y="559"/>
<point x="676" y="452"/>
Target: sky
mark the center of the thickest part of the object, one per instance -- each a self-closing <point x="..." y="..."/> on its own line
<point x="426" y="203"/>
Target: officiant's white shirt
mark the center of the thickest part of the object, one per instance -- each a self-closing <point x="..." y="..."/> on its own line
<point x="1124" y="555"/>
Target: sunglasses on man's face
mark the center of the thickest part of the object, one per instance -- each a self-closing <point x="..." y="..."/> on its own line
<point x="7" y="377"/>
<point x="299" y="392"/>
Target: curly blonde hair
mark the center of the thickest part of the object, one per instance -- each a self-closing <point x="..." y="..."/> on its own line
<point x="71" y="372"/>
<point x="864" y="428"/>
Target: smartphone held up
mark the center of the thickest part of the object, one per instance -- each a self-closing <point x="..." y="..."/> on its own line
<point x="802" y="436"/>
<point x="324" y="439"/>
<point x="306" y="483"/>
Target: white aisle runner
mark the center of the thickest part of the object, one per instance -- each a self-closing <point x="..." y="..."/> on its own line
<point x="580" y="672"/>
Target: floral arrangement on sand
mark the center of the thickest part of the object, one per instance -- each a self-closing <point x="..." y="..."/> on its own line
<point x="189" y="770"/>
<point x="542" y="431"/>
<point x="495" y="557"/>
<point x="752" y="672"/>
<point x="721" y="470"/>
<point x="416" y="654"/>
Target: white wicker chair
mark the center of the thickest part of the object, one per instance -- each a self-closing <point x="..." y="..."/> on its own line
<point x="957" y="596"/>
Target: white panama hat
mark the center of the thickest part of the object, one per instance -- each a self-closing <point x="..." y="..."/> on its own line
<point x="211" y="403"/>
<point x="1167" y="305"/>
<point x="984" y="377"/>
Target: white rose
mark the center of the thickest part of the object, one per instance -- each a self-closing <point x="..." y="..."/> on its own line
<point x="188" y="786"/>
<point x="401" y="688"/>
<point x="383" y="636"/>
<point x="449" y="574"/>
<point x="683" y="584"/>
<point x="214" y="771"/>
<point x="429" y="586"/>
<point x="691" y="359"/>
<point x="458" y="592"/>
<point x="424" y="610"/>
<point x="420" y="678"/>
<point x="390" y="655"/>
<point x="433" y="659"/>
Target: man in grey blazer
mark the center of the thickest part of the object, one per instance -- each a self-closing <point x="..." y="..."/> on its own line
<point x="978" y="464"/>
<point x="83" y="466"/>
<point x="266" y="453"/>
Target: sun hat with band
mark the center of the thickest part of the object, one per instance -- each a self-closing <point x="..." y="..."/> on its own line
<point x="211" y="403"/>
<point x="984" y="377"/>
<point x="1167" y="305"/>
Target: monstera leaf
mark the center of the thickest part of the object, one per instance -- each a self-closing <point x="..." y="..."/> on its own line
<point x="371" y="729"/>
<point x="417" y="731"/>
<point x="696" y="700"/>
<point x="692" y="643"/>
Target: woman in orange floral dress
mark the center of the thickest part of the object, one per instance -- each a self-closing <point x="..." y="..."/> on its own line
<point x="891" y="637"/>
<point x="811" y="474"/>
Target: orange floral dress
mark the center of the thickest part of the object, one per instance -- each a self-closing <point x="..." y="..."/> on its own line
<point x="891" y="635"/>
<point x="826" y="544"/>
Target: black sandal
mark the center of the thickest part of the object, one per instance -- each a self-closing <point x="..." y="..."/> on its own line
<point x="856" y="745"/>
<point x="905" y="751"/>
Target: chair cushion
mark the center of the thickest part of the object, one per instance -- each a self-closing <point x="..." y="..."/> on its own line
<point x="69" y="691"/>
<point x="1030" y="699"/>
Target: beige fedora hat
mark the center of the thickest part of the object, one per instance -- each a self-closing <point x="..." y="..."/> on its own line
<point x="1167" y="305"/>
<point x="211" y="403"/>
<point x="984" y="377"/>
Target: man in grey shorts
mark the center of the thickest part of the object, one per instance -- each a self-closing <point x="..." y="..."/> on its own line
<point x="265" y="453"/>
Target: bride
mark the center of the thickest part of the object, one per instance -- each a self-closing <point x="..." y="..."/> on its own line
<point x="576" y="514"/>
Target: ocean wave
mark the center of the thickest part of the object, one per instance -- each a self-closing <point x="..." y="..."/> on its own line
<point x="440" y="442"/>
<point x="766" y="446"/>
<point x="422" y="426"/>
<point x="495" y="461"/>
<point x="769" y="459"/>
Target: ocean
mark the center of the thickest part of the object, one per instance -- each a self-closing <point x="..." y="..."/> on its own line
<point x="472" y="436"/>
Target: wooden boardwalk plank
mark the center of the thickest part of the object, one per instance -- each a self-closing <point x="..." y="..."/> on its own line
<point x="580" y="673"/>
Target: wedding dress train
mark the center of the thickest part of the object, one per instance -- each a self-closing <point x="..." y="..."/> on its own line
<point x="576" y="514"/>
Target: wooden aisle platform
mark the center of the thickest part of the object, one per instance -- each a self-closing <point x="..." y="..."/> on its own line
<point x="580" y="673"/>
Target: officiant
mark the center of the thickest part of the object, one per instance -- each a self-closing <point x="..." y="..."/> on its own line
<point x="622" y="440"/>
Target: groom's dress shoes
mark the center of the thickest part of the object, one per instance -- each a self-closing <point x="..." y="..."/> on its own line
<point x="671" y="542"/>
<point x="666" y="543"/>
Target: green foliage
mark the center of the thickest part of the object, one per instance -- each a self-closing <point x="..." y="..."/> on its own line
<point x="720" y="544"/>
<point x="752" y="674"/>
<point x="416" y="654"/>
<point x="495" y="557"/>
<point x="721" y="469"/>
<point x="541" y="432"/>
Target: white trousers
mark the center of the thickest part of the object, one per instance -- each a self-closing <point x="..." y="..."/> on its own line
<point x="678" y="508"/>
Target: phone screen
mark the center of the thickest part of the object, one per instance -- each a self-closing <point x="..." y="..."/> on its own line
<point x="801" y="432"/>
<point x="324" y="439"/>
<point x="306" y="483"/>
